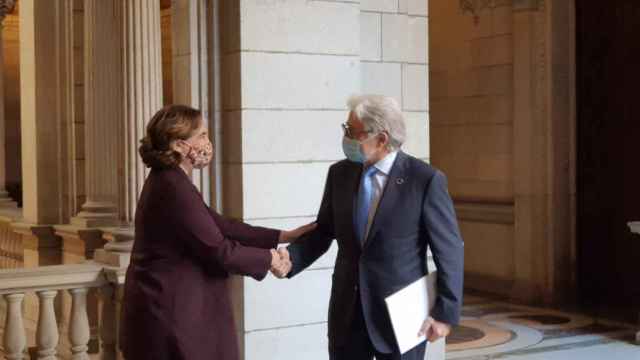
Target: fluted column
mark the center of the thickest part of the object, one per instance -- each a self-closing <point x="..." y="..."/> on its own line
<point x="142" y="93"/>
<point x="191" y="35"/>
<point x="103" y="112"/>
<point x="6" y="6"/>
<point x="141" y="99"/>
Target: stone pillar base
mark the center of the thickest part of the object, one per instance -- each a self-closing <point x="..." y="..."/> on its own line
<point x="114" y="259"/>
<point x="79" y="242"/>
<point x="86" y="220"/>
<point x="42" y="246"/>
<point x="117" y="251"/>
<point x="6" y="201"/>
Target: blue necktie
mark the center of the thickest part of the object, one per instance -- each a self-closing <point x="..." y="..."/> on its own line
<point x="365" y="195"/>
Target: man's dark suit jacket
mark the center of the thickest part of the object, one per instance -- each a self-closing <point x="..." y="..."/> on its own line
<point x="414" y="213"/>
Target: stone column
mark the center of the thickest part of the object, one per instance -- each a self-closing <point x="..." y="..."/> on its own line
<point x="6" y="6"/>
<point x="142" y="93"/>
<point x="190" y="43"/>
<point x="142" y="98"/>
<point x="530" y="145"/>
<point x="103" y="110"/>
<point x="41" y="104"/>
<point x="543" y="155"/>
<point x="123" y="90"/>
<point x="46" y="102"/>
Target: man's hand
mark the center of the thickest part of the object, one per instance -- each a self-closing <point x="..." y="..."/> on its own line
<point x="289" y="236"/>
<point x="434" y="329"/>
<point x="280" y="263"/>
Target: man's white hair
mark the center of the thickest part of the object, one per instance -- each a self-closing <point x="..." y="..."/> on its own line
<point x="380" y="113"/>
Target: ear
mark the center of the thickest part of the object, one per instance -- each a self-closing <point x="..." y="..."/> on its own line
<point x="179" y="146"/>
<point x="384" y="139"/>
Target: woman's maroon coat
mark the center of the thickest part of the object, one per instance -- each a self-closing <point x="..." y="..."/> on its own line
<point x="176" y="301"/>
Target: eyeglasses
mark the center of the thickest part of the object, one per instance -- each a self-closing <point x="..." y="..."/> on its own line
<point x="348" y="132"/>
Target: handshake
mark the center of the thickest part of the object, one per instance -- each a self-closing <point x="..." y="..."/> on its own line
<point x="280" y="263"/>
<point x="280" y="260"/>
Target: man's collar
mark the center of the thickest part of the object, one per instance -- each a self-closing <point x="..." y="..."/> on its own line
<point x="385" y="165"/>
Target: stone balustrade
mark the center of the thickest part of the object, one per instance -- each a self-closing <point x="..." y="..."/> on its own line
<point x="48" y="283"/>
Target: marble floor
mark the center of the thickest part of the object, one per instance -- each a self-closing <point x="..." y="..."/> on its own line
<point x="497" y="330"/>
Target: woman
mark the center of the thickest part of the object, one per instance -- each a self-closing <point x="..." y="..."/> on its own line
<point x="176" y="301"/>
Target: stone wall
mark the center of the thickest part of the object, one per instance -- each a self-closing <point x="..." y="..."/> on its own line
<point x="287" y="78"/>
<point x="394" y="61"/>
<point x="503" y="125"/>
<point x="288" y="68"/>
<point x="472" y="129"/>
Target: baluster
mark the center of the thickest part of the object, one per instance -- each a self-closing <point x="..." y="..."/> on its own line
<point x="47" y="333"/>
<point x="108" y="326"/>
<point x="79" y="332"/>
<point x="15" y="338"/>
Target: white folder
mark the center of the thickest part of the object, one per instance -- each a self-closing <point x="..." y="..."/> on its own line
<point x="408" y="308"/>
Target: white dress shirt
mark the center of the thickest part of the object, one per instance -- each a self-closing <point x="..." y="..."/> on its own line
<point x="379" y="182"/>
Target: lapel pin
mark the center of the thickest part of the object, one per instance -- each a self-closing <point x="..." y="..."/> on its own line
<point x="400" y="181"/>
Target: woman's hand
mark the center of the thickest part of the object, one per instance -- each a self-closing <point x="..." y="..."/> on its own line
<point x="289" y="236"/>
<point x="280" y="264"/>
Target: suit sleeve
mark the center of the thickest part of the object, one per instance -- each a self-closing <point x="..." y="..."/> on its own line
<point x="309" y="247"/>
<point x="204" y="240"/>
<point x="447" y="248"/>
<point x="246" y="234"/>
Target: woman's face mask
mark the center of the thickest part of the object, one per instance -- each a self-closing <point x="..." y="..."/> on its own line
<point x="200" y="154"/>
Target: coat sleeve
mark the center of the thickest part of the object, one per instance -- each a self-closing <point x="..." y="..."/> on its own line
<point x="246" y="234"/>
<point x="447" y="247"/>
<point x="204" y="239"/>
<point x="306" y="250"/>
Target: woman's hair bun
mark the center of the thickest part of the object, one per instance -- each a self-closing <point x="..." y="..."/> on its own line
<point x="155" y="158"/>
<point x="170" y="123"/>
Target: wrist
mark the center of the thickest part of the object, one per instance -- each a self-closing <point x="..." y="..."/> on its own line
<point x="283" y="237"/>
<point x="275" y="258"/>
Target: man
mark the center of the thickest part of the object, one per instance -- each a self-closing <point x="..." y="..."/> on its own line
<point x="385" y="208"/>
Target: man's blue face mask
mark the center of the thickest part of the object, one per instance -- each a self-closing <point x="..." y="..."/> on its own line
<point x="353" y="150"/>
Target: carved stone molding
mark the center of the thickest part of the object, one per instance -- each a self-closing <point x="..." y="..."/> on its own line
<point x="492" y="213"/>
<point x="524" y="5"/>
<point x="474" y="7"/>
